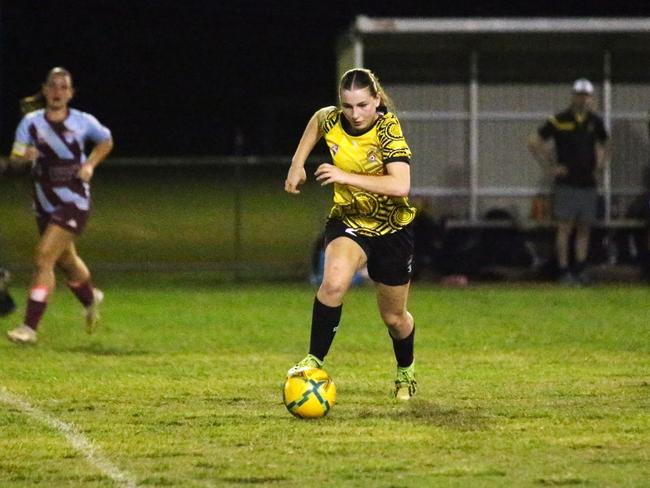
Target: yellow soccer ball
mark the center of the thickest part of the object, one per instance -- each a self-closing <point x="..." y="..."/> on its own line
<point x="309" y="393"/>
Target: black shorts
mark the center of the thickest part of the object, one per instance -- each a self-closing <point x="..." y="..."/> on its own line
<point x="390" y="257"/>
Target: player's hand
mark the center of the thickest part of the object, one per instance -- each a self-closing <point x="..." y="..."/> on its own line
<point x="328" y="173"/>
<point x="559" y="170"/>
<point x="85" y="173"/>
<point x="599" y="174"/>
<point x="31" y="154"/>
<point x="296" y="177"/>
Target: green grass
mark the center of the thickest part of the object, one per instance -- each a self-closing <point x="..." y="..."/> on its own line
<point x="519" y="386"/>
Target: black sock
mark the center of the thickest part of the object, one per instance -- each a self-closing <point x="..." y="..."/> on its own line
<point x="404" y="349"/>
<point x="324" y="322"/>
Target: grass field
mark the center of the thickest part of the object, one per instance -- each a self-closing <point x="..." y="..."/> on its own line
<point x="519" y="386"/>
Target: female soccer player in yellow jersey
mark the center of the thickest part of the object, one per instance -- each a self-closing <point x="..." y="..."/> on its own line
<point x="370" y="220"/>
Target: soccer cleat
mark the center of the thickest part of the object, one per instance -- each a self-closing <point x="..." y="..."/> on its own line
<point x="405" y="384"/>
<point x="22" y="335"/>
<point x="309" y="361"/>
<point x="92" y="311"/>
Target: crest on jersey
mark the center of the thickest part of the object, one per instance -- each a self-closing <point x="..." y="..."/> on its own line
<point x="372" y="156"/>
<point x="334" y="149"/>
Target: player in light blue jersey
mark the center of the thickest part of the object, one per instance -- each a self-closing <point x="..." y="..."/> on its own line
<point x="53" y="139"/>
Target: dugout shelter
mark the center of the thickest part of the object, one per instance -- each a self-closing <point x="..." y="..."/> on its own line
<point x="470" y="91"/>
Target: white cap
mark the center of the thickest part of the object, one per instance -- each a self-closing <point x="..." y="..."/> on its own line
<point x="583" y="86"/>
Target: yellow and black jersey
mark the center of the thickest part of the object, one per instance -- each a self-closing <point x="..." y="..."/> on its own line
<point x="366" y="153"/>
<point x="575" y="140"/>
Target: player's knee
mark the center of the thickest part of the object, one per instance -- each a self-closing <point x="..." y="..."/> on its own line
<point x="396" y="320"/>
<point x="65" y="264"/>
<point x="400" y="323"/>
<point x="332" y="289"/>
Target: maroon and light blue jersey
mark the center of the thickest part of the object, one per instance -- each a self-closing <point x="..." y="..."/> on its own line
<point x="61" y="153"/>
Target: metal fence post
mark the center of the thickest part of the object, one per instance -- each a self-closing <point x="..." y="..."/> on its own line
<point x="607" y="110"/>
<point x="473" y="138"/>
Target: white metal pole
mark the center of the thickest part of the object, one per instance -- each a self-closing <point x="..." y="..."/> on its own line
<point x="358" y="51"/>
<point x="607" y="114"/>
<point x="473" y="138"/>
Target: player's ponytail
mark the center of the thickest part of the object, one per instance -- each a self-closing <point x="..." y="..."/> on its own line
<point x="359" y="78"/>
<point x="37" y="101"/>
<point x="31" y="103"/>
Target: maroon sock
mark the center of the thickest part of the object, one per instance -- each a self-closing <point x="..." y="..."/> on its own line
<point x="83" y="292"/>
<point x="36" y="306"/>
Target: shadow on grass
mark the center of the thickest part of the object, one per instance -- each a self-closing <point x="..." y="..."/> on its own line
<point x="562" y="481"/>
<point x="98" y="349"/>
<point x="430" y="413"/>
<point x="254" y="480"/>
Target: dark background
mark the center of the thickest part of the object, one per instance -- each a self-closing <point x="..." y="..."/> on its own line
<point x="184" y="77"/>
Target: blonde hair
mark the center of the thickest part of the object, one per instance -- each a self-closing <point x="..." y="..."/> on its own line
<point x="360" y="78"/>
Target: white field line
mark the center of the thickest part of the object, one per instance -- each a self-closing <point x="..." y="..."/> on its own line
<point x="78" y="441"/>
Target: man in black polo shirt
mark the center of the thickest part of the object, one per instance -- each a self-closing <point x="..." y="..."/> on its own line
<point x="581" y="147"/>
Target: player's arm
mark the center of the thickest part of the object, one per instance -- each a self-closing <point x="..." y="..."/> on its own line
<point x="97" y="155"/>
<point x="603" y="151"/>
<point x="22" y="156"/>
<point x="23" y="153"/>
<point x="396" y="182"/>
<point x="23" y="150"/>
<point x="603" y="147"/>
<point x="312" y="134"/>
<point x="540" y="150"/>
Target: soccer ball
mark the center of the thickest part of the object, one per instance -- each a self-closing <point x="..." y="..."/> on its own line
<point x="309" y="393"/>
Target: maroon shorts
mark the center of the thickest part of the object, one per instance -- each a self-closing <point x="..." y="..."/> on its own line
<point x="67" y="216"/>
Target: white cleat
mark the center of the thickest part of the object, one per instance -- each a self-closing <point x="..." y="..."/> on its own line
<point x="23" y="335"/>
<point x="92" y="311"/>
